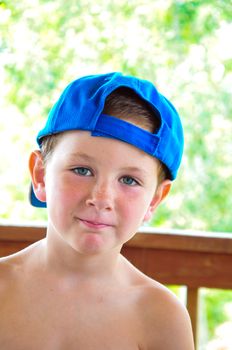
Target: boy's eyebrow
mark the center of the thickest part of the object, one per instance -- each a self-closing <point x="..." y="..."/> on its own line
<point x="81" y="155"/>
<point x="132" y="168"/>
<point x="136" y="169"/>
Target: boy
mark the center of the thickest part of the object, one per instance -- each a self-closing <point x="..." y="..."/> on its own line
<point x="108" y="153"/>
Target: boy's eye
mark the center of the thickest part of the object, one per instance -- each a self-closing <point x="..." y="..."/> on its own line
<point x="82" y="171"/>
<point x="128" y="180"/>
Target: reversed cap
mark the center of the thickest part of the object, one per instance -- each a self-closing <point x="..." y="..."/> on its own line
<point x="80" y="107"/>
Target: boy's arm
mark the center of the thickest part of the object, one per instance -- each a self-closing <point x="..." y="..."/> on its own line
<point x="178" y="335"/>
<point x="169" y="325"/>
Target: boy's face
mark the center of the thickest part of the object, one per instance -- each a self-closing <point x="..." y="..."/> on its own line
<point x="98" y="190"/>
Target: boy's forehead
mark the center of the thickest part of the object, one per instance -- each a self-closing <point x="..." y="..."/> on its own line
<point x="81" y="146"/>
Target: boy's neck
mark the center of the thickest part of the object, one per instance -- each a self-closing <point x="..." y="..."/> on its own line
<point x="65" y="261"/>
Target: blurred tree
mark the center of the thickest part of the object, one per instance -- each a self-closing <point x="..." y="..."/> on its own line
<point x="182" y="46"/>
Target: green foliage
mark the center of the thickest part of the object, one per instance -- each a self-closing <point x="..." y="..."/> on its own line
<point x="215" y="308"/>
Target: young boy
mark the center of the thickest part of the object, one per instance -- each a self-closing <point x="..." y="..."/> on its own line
<point x="108" y="153"/>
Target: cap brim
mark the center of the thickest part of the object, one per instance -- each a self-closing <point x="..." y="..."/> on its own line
<point x="34" y="200"/>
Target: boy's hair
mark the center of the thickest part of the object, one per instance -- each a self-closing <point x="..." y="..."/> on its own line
<point x="125" y="104"/>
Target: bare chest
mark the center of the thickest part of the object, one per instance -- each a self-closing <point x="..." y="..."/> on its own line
<point x="61" y="321"/>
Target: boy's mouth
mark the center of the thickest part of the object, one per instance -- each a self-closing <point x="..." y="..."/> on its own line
<point x="94" y="224"/>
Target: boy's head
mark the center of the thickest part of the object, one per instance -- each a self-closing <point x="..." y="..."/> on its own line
<point x="122" y="107"/>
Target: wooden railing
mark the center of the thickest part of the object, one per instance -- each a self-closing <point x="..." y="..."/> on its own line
<point x="172" y="257"/>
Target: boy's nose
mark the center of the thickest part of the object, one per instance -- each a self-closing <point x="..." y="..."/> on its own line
<point x="101" y="197"/>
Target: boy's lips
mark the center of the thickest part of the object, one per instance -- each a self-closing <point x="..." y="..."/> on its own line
<point x="95" y="224"/>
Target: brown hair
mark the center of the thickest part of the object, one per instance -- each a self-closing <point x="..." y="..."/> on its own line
<point x="125" y="104"/>
<point x="122" y="103"/>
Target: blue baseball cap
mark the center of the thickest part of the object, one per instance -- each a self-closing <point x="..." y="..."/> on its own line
<point x="80" y="107"/>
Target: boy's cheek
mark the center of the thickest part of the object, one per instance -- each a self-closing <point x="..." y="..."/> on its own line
<point x="152" y="207"/>
<point x="148" y="214"/>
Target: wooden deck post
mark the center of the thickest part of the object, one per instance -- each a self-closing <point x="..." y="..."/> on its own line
<point x="192" y="306"/>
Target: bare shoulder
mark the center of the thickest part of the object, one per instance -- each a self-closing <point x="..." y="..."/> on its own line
<point x="12" y="269"/>
<point x="8" y="266"/>
<point x="165" y="319"/>
<point x="8" y="273"/>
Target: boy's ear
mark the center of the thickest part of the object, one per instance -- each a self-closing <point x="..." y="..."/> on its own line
<point x="160" y="194"/>
<point x="37" y="171"/>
